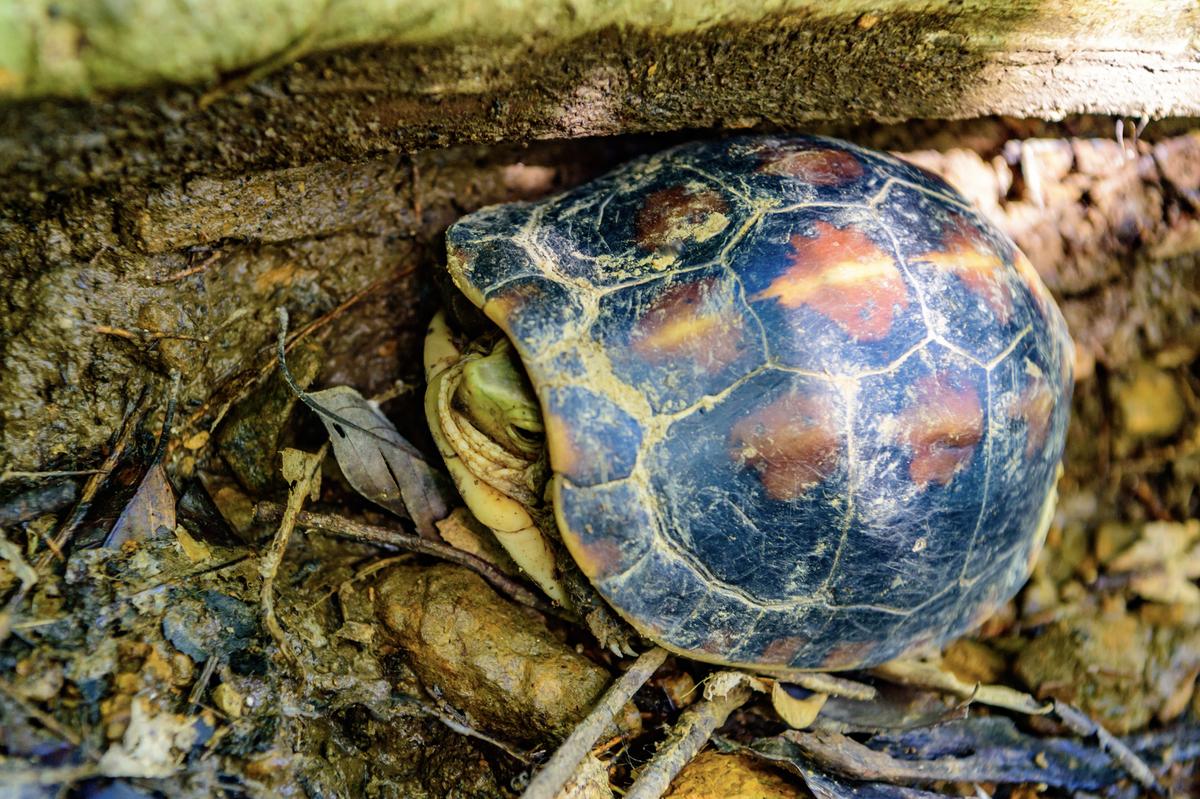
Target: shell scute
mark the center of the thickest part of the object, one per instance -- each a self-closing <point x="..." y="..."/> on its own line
<point x="611" y="526"/>
<point x="534" y="312"/>
<point x="1025" y="440"/>
<point x="921" y="432"/>
<point x="737" y="478"/>
<point x="639" y="223"/>
<point x="680" y="338"/>
<point x="786" y="171"/>
<point x="975" y="297"/>
<point x="828" y="285"/>
<point x="591" y="439"/>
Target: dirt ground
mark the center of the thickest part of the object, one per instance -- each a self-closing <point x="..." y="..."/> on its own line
<point x="138" y="657"/>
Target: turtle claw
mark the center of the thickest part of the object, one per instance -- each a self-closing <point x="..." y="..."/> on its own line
<point x="611" y="632"/>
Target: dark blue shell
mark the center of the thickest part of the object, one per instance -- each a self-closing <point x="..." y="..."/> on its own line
<point x="805" y="407"/>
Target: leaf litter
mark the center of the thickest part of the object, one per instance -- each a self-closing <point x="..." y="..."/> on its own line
<point x="101" y="631"/>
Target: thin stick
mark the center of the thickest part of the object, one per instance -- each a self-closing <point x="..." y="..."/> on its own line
<point x="821" y="683"/>
<point x="45" y="719"/>
<point x="1080" y="724"/>
<point x="196" y="268"/>
<point x="201" y="684"/>
<point x="12" y="475"/>
<point x="386" y="538"/>
<point x="303" y="476"/>
<point x="454" y="720"/>
<point x="920" y="674"/>
<point x="561" y="766"/>
<point x="687" y="737"/>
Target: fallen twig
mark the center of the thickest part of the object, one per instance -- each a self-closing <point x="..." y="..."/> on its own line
<point x="20" y="475"/>
<point x="561" y="766"/>
<point x="201" y="684"/>
<point x="821" y="683"/>
<point x="724" y="694"/>
<point x="302" y="471"/>
<point x="453" y="719"/>
<point x="388" y="538"/>
<point x="1080" y="724"/>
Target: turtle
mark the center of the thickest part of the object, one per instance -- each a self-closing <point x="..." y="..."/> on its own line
<point x="785" y="402"/>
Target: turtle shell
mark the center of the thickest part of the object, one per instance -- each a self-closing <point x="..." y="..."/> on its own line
<point x="804" y="406"/>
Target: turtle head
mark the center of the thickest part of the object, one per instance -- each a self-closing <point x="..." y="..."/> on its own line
<point x="496" y="396"/>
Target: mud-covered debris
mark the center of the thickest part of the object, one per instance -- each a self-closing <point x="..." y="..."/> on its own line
<point x="210" y="623"/>
<point x="590" y="781"/>
<point x="714" y="775"/>
<point x="199" y="515"/>
<point x="1178" y="161"/>
<point x="229" y="700"/>
<point x="251" y="437"/>
<point x="153" y="745"/>
<point x="484" y="656"/>
<point x="193" y="549"/>
<point x="33" y="502"/>
<point x="1149" y="403"/>
<point x="1118" y="668"/>
<point x="234" y="506"/>
<point x="1164" y="562"/>
<point x="895" y="707"/>
<point x="980" y="749"/>
<point x="974" y="661"/>
<point x="37" y="677"/>
<point x="679" y="687"/>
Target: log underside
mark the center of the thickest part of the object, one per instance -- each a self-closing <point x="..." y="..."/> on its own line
<point x="724" y="66"/>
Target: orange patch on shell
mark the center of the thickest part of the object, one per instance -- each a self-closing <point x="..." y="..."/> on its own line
<point x="564" y="454"/>
<point x="687" y="323"/>
<point x="968" y="255"/>
<point x="793" y="443"/>
<point x="670" y="216"/>
<point x="782" y="651"/>
<point x="941" y="428"/>
<point x="844" y="276"/>
<point x="1035" y="405"/>
<point x="819" y="167"/>
<point x="596" y="558"/>
<point x="847" y="656"/>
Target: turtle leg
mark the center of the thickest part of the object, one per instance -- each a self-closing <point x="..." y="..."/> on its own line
<point x="609" y="629"/>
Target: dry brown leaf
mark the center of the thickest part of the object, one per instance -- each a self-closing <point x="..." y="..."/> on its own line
<point x="379" y="463"/>
<point x="152" y="507"/>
